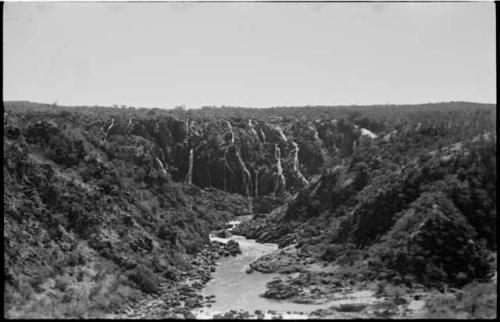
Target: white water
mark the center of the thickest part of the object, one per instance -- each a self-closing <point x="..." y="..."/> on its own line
<point x="280" y="131"/>
<point x="244" y="170"/>
<point x="280" y="181"/>
<point x="161" y="166"/>
<point x="368" y="133"/>
<point x="263" y="135"/>
<point x="245" y="173"/>
<point x="230" y="129"/>
<point x="296" y="166"/>
<point x="109" y="128"/>
<point x="252" y="129"/>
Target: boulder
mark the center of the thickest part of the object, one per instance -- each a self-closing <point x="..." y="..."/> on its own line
<point x="223" y="234"/>
<point x="233" y="248"/>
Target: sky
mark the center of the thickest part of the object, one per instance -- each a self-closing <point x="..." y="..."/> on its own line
<point x="249" y="54"/>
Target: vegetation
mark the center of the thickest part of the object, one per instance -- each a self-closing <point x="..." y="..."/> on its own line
<point x="98" y="209"/>
<point x="474" y="301"/>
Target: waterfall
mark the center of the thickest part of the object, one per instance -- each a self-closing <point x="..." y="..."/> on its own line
<point x="230" y="127"/>
<point x="280" y="131"/>
<point x="252" y="129"/>
<point x="109" y="128"/>
<point x="161" y="166"/>
<point x="280" y="180"/>
<point x="246" y="174"/>
<point x="189" y="176"/>
<point x="263" y="135"/>
<point x="296" y="167"/>
<point x="247" y="179"/>
<point x="324" y="153"/>
<point x="368" y="133"/>
<point x="316" y="134"/>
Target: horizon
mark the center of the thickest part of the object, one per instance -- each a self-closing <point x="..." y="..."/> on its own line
<point x="55" y="104"/>
<point x="255" y="55"/>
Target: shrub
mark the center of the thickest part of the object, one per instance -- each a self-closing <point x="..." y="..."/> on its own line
<point x="331" y="252"/>
<point x="81" y="220"/>
<point x="474" y="301"/>
<point x="145" y="279"/>
<point x="193" y="246"/>
<point x="62" y="283"/>
<point x="178" y="261"/>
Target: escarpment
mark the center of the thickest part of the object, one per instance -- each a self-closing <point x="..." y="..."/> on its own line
<point x="241" y="155"/>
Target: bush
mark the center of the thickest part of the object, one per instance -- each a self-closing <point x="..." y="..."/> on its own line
<point x="474" y="301"/>
<point x="62" y="283"/>
<point x="193" y="246"/>
<point x="331" y="252"/>
<point x="81" y="220"/>
<point x="145" y="279"/>
<point x="178" y="261"/>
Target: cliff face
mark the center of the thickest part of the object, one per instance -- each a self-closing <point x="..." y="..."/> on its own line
<point x="252" y="158"/>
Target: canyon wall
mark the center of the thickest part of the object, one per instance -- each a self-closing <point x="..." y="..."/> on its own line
<point x="252" y="158"/>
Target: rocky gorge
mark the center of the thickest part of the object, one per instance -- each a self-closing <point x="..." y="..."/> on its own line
<point x="133" y="205"/>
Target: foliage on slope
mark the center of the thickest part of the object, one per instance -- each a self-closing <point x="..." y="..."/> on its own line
<point x="89" y="222"/>
<point x="431" y="220"/>
<point x="94" y="207"/>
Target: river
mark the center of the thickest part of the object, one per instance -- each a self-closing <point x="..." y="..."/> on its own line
<point x="234" y="289"/>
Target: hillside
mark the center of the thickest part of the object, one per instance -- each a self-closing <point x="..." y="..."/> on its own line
<point x="104" y="205"/>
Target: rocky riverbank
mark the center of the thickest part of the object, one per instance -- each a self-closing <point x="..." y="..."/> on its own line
<point x="304" y="281"/>
<point x="284" y="261"/>
<point x="177" y="299"/>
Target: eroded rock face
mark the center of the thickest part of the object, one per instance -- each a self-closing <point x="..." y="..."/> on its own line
<point x="241" y="155"/>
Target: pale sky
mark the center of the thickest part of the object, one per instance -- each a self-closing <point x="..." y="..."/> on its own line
<point x="249" y="54"/>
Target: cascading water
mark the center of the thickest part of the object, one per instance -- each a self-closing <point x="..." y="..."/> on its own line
<point x="282" y="135"/>
<point x="246" y="174"/>
<point x="324" y="153"/>
<point x="109" y="128"/>
<point x="161" y="165"/>
<point x="231" y="133"/>
<point x="263" y="135"/>
<point x="296" y="164"/>
<point x="252" y="129"/>
<point x="280" y="178"/>
<point x="244" y="170"/>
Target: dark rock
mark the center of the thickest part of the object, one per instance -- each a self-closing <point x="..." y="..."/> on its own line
<point x="351" y="307"/>
<point x="233" y="248"/>
<point x="223" y="234"/>
<point x="279" y="290"/>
